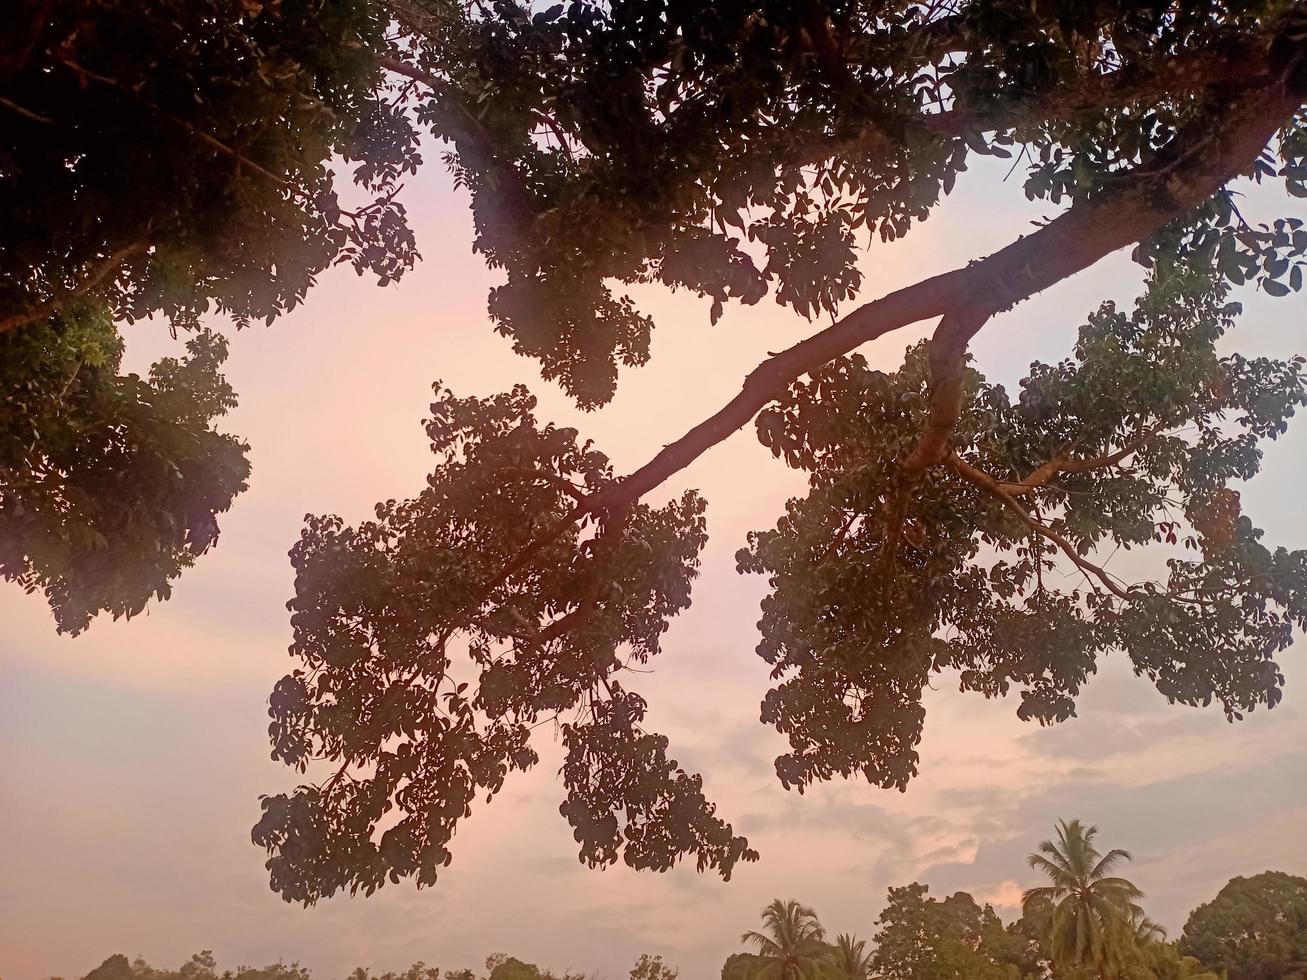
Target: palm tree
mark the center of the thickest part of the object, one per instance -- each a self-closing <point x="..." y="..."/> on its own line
<point x="850" y="960"/>
<point x="791" y="947"/>
<point x="1145" y="930"/>
<point x="1095" y="915"/>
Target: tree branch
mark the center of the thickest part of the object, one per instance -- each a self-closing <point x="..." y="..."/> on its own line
<point x="206" y="138"/>
<point x="987" y="483"/>
<point x="948" y="362"/>
<point x="432" y="82"/>
<point x="51" y="306"/>
<point x="1063" y="464"/>
<point x="1134" y="208"/>
<point x="553" y="479"/>
<point x="25" y="113"/>
<point x="25" y="20"/>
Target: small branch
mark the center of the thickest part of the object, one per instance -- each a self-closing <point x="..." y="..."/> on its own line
<point x="27" y="113"/>
<point x="207" y="138"/>
<point x="433" y="82"/>
<point x="553" y="479"/>
<point x="552" y="124"/>
<point x="51" y="306"/>
<point x="838" y="541"/>
<point x="590" y="596"/>
<point x="1063" y="464"/>
<point x="330" y="784"/>
<point x="987" y="483"/>
<point x="517" y="563"/>
<point x="568" y="621"/>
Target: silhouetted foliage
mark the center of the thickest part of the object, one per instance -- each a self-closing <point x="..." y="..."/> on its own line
<point x="203" y="966"/>
<point x="652" y="968"/>
<point x="169" y="158"/>
<point x="742" y="151"/>
<point x="1248" y="931"/>
<point x="740" y="966"/>
<point x="850" y="960"/>
<point x="736" y="150"/>
<point x="1086" y="925"/>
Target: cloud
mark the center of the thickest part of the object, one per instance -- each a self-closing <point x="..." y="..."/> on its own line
<point x="1006" y="895"/>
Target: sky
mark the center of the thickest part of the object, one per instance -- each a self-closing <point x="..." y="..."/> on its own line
<point x="132" y="757"/>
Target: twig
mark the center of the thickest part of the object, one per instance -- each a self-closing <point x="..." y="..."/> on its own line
<point x="553" y="479"/>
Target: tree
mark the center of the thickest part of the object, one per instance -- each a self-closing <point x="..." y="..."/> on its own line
<point x="115" y="967"/>
<point x="850" y="960"/>
<point x="652" y="968"/>
<point x="1254" y="929"/>
<point x="748" y="149"/>
<point x="791" y="946"/>
<point x="172" y="159"/>
<point x="1096" y="918"/>
<point x="922" y="938"/>
<point x="735" y="150"/>
<point x="740" y="966"/>
<point x="503" y="967"/>
<point x="1026" y="941"/>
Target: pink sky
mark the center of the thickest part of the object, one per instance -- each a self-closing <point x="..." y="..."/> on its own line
<point x="131" y="758"/>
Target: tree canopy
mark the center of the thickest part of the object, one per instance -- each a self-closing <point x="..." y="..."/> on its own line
<point x="924" y="938"/>
<point x="1254" y="929"/>
<point x="736" y="150"/>
<point x="168" y="159"/>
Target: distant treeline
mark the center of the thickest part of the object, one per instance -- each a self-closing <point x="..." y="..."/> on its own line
<point x="203" y="966"/>
<point x="1087" y="923"/>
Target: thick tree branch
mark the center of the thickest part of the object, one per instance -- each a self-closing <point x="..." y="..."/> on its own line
<point x="1133" y="209"/>
<point x="24" y="21"/>
<point x="948" y="363"/>
<point x="26" y="113"/>
<point x="1136" y="206"/>
<point x="433" y="82"/>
